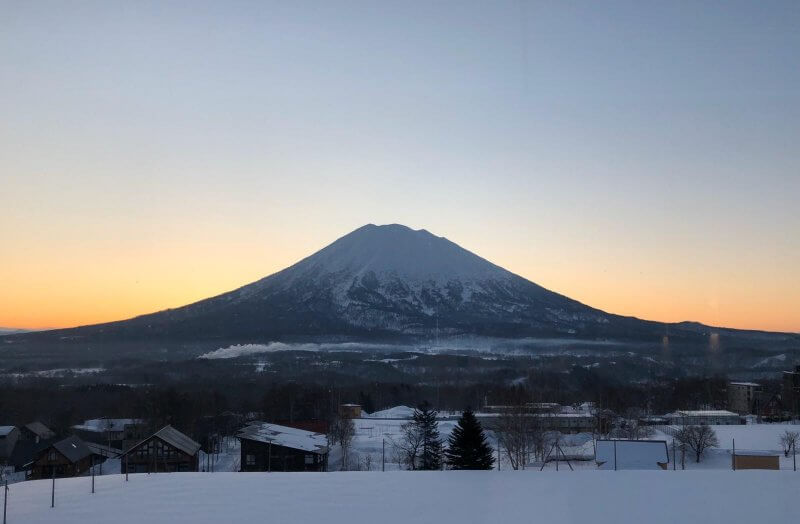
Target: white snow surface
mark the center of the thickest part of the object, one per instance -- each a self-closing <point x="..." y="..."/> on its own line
<point x="600" y="497"/>
<point x="636" y="454"/>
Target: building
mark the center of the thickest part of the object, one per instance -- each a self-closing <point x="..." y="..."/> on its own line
<point x="631" y="454"/>
<point x="69" y="457"/>
<point x="350" y="410"/>
<point x="36" y="431"/>
<point x="270" y="447"/>
<point x="119" y="433"/>
<point x="756" y="460"/>
<point x="744" y="398"/>
<point x="166" y="450"/>
<point x="790" y="391"/>
<point x="8" y="439"/>
<point x="711" y="417"/>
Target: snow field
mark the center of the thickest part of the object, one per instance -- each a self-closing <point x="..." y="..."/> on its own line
<point x="601" y="497"/>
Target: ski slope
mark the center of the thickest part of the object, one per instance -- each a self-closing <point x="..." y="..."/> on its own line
<point x="600" y="497"/>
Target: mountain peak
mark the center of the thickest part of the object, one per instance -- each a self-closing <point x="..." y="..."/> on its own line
<point x="401" y="251"/>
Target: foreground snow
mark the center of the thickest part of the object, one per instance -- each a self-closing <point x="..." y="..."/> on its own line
<point x="408" y="497"/>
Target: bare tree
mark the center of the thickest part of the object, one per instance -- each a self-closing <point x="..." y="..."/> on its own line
<point x="342" y="430"/>
<point x="631" y="427"/>
<point x="789" y="441"/>
<point x="698" y="439"/>
<point x="409" y="447"/>
<point x="519" y="434"/>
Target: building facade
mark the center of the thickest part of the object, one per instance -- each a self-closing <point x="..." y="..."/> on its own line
<point x="270" y="447"/>
<point x="167" y="450"/>
<point x="744" y="398"/>
<point x="711" y="417"/>
<point x="790" y="391"/>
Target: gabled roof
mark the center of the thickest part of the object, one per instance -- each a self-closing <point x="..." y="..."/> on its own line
<point x="73" y="448"/>
<point x="5" y="430"/>
<point x="174" y="438"/>
<point x="39" y="429"/>
<point x="285" y="436"/>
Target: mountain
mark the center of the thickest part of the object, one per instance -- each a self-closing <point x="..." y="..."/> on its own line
<point x="382" y="282"/>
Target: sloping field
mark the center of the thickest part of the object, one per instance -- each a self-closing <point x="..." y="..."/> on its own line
<point x="600" y="497"/>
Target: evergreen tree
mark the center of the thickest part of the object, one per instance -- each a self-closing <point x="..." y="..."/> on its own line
<point x="467" y="446"/>
<point x="431" y="449"/>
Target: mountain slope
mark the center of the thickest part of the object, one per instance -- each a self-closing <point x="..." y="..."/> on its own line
<point x="381" y="282"/>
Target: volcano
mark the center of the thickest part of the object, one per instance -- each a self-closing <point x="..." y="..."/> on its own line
<point x="381" y="282"/>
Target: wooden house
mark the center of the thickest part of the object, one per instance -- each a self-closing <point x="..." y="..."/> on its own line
<point x="166" y="450"/>
<point x="270" y="447"/>
<point x="69" y="457"/>
<point x="36" y="432"/>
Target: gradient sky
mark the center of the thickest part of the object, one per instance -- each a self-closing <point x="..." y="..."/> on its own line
<point x="641" y="157"/>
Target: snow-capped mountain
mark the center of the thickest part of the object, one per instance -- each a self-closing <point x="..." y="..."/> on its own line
<point x="385" y="281"/>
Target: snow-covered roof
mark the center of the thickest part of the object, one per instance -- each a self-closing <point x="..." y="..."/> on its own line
<point x="39" y="429"/>
<point x="705" y="413"/>
<point x="106" y="451"/>
<point x="73" y="448"/>
<point x="101" y="425"/>
<point x="631" y="454"/>
<point x="749" y="384"/>
<point x="397" y="412"/>
<point x="5" y="430"/>
<point x="285" y="436"/>
<point x="174" y="438"/>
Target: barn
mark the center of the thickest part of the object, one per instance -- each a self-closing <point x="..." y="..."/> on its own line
<point x="270" y="447"/>
<point x="166" y="450"/>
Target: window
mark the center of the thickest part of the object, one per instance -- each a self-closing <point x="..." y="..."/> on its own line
<point x="309" y="459"/>
<point x="250" y="460"/>
<point x="52" y="455"/>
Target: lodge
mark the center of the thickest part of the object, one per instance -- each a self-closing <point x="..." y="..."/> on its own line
<point x="270" y="447"/>
<point x="167" y="450"/>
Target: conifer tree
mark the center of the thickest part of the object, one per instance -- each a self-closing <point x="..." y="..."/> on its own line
<point x="431" y="448"/>
<point x="467" y="446"/>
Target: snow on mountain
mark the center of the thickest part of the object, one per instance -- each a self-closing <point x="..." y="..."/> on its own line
<point x="777" y="360"/>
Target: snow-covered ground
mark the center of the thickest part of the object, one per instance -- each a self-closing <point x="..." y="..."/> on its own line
<point x="599" y="497"/>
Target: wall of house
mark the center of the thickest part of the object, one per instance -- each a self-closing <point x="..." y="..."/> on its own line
<point x="154" y="455"/>
<point x="255" y="456"/>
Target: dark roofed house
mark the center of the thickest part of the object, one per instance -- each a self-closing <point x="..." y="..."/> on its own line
<point x="165" y="450"/>
<point x="270" y="447"/>
<point x="36" y="431"/>
<point x="69" y="457"/>
<point x="8" y="439"/>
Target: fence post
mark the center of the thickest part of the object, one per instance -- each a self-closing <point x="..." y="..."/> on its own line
<point x="5" y="501"/>
<point x="92" y="473"/>
<point x="734" y="454"/>
<point x="126" y="468"/>
<point x="794" y="454"/>
<point x="615" y="455"/>
<point x="383" y="455"/>
<point x="53" y="492"/>
<point x="674" y="456"/>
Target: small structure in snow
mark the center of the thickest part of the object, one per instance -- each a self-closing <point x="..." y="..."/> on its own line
<point x="631" y="454"/>
<point x="69" y="457"/>
<point x="756" y="460"/>
<point x="270" y="447"/>
<point x="350" y="410"/>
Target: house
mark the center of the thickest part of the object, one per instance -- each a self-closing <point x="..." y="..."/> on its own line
<point x="350" y="410"/>
<point x="69" y="457"/>
<point x="709" y="417"/>
<point x="8" y="439"/>
<point x="270" y="447"/>
<point x="744" y="397"/>
<point x="114" y="432"/>
<point x="631" y="454"/>
<point x="165" y="450"/>
<point x="756" y="460"/>
<point x="36" y="431"/>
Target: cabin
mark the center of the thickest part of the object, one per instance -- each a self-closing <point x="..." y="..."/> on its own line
<point x="270" y="447"/>
<point x="631" y="454"/>
<point x="166" y="450"/>
<point x="36" y="432"/>
<point x="8" y="439"/>
<point x="708" y="417"/>
<point x="69" y="457"/>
